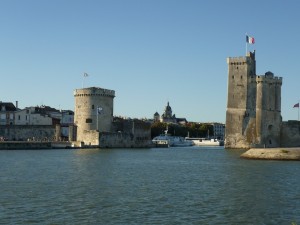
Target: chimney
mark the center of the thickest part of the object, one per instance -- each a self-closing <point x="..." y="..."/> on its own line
<point x="16" y="104"/>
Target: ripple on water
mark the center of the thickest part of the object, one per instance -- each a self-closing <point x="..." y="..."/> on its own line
<point x="158" y="186"/>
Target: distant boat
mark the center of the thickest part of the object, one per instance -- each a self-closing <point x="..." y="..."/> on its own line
<point x="206" y="142"/>
<point x="171" y="141"/>
<point x="166" y="140"/>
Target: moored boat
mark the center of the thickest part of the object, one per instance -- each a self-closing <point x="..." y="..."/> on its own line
<point x="171" y="141"/>
<point x="206" y="142"/>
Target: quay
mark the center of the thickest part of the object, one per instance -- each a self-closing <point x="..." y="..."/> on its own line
<point x="26" y="145"/>
<point x="273" y="153"/>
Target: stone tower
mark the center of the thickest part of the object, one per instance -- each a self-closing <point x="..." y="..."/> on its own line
<point x="93" y="112"/>
<point x="253" y="116"/>
<point x="268" y="110"/>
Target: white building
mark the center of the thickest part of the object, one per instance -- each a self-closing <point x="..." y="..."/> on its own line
<point x="219" y="130"/>
<point x="30" y="116"/>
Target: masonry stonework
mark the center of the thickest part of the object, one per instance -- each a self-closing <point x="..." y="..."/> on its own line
<point x="93" y="111"/>
<point x="97" y="127"/>
<point x="253" y="115"/>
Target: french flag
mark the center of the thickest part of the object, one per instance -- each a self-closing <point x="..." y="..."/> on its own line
<point x="250" y="40"/>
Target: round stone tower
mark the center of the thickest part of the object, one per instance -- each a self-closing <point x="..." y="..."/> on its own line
<point x="93" y="110"/>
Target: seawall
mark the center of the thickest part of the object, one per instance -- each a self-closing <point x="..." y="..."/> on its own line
<point x="26" y="145"/>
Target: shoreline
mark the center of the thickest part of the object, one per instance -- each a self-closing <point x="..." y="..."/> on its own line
<point x="281" y="153"/>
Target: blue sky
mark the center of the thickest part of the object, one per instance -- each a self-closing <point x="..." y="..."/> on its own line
<point x="148" y="51"/>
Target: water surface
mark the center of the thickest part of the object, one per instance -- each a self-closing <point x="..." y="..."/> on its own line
<point x="194" y="185"/>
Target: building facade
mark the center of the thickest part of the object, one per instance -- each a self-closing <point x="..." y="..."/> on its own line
<point x="219" y="130"/>
<point x="7" y="113"/>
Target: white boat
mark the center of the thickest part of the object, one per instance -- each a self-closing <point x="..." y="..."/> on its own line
<point x="206" y="142"/>
<point x="171" y="141"/>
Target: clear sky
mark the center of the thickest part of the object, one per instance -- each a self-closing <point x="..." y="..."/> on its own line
<point x="148" y="51"/>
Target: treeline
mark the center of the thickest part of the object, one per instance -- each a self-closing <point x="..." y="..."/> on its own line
<point x="199" y="130"/>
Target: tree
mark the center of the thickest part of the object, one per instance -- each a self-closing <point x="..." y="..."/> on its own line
<point x="158" y="128"/>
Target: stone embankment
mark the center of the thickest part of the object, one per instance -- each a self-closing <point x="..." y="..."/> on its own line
<point x="273" y="153"/>
<point x="19" y="145"/>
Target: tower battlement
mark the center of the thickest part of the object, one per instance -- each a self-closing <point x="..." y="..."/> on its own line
<point x="269" y="78"/>
<point x="94" y="91"/>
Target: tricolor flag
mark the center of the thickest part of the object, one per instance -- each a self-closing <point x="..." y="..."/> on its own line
<point x="99" y="110"/>
<point x="250" y="40"/>
<point x="296" y="105"/>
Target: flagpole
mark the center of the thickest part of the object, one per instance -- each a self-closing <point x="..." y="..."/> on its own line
<point x="246" y="44"/>
<point x="97" y="118"/>
<point x="298" y="109"/>
<point x="84" y="76"/>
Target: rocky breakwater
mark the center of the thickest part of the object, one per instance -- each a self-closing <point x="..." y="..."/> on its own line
<point x="273" y="153"/>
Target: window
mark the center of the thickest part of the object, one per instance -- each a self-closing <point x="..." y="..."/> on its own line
<point x="88" y="120"/>
<point x="93" y="106"/>
<point x="19" y="117"/>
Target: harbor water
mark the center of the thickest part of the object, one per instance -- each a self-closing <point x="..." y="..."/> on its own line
<point x="191" y="185"/>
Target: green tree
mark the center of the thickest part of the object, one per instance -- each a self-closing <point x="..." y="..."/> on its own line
<point x="158" y="128"/>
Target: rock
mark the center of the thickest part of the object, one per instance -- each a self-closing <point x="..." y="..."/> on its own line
<point x="272" y="153"/>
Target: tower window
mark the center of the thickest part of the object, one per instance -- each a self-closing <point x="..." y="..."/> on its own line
<point x="88" y="120"/>
<point x="93" y="106"/>
<point x="232" y="77"/>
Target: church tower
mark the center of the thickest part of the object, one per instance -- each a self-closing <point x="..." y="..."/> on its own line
<point x="241" y="102"/>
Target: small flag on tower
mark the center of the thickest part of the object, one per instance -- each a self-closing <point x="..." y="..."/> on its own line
<point x="99" y="110"/>
<point x="85" y="75"/>
<point x="250" y="40"/>
<point x="296" y="105"/>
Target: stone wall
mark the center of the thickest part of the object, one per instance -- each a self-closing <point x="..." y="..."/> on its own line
<point x="290" y="134"/>
<point x="127" y="134"/>
<point x="27" y="132"/>
<point x="17" y="145"/>
<point x="90" y="137"/>
<point x="123" y="140"/>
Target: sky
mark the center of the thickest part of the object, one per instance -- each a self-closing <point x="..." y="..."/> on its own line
<point x="149" y="51"/>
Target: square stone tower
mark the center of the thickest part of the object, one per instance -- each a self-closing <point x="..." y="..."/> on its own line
<point x="241" y="102"/>
<point x="253" y="115"/>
